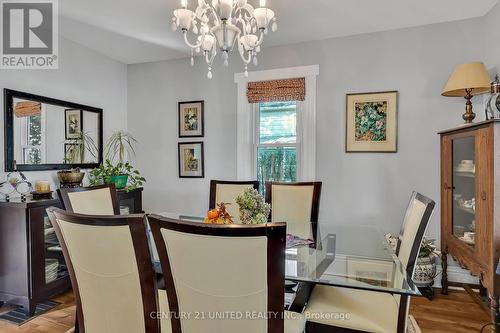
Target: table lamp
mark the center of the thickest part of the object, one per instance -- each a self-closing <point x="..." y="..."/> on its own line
<point x="468" y="80"/>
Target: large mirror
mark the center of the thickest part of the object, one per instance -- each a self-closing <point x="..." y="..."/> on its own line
<point x="43" y="133"/>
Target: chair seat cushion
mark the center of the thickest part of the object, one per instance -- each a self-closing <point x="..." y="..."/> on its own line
<point x="294" y="322"/>
<point x="353" y="309"/>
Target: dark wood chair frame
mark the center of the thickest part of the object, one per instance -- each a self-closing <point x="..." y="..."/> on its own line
<point x="147" y="276"/>
<point x="64" y="197"/>
<point x="430" y="204"/>
<point x="213" y="188"/>
<point x="276" y="240"/>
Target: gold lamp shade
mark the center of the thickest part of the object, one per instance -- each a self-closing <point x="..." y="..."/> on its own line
<point x="468" y="80"/>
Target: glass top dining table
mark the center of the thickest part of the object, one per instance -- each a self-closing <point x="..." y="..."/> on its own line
<point x="345" y="256"/>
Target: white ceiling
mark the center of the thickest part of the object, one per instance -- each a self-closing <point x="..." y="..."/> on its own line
<point x="135" y="31"/>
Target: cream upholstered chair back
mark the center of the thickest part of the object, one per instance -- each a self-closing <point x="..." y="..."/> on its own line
<point x="108" y="259"/>
<point x="413" y="229"/>
<point x="218" y="271"/>
<point x="227" y="191"/>
<point x="297" y="204"/>
<point x="98" y="200"/>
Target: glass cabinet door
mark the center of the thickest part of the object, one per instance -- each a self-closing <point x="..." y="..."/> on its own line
<point x="55" y="267"/>
<point x="464" y="189"/>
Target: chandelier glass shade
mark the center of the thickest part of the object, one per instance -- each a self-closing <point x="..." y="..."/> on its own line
<point x="223" y="25"/>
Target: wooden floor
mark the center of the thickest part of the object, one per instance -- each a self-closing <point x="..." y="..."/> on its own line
<point x="455" y="313"/>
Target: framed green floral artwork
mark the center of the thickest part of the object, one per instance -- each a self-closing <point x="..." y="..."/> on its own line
<point x="371" y="122"/>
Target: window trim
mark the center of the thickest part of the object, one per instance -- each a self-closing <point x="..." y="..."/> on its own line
<point x="24" y="132"/>
<point x="306" y="134"/>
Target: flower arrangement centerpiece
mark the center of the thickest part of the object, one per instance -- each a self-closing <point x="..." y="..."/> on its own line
<point x="219" y="215"/>
<point x="253" y="208"/>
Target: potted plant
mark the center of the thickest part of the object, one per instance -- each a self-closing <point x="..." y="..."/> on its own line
<point x="425" y="269"/>
<point x="76" y="155"/>
<point x="123" y="175"/>
<point x="119" y="146"/>
<point x="253" y="208"/>
<point x="116" y="169"/>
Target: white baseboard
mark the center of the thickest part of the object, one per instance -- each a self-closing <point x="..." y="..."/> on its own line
<point x="455" y="274"/>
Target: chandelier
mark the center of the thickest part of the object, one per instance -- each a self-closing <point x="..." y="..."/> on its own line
<point x="221" y="25"/>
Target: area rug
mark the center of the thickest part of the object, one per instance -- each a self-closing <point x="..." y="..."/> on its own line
<point x="412" y="325"/>
<point x="17" y="316"/>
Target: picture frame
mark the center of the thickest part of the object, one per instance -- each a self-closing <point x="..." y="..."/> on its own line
<point x="73" y="123"/>
<point x="191" y="160"/>
<point x="371" y="122"/>
<point x="67" y="150"/>
<point x="192" y="119"/>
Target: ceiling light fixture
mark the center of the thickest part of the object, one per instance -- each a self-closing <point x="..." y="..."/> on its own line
<point x="222" y="24"/>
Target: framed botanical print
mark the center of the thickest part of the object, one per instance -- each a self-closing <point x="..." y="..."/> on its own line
<point x="72" y="153"/>
<point x="191" y="119"/>
<point x="371" y="122"/>
<point x="191" y="160"/>
<point x="74" y="123"/>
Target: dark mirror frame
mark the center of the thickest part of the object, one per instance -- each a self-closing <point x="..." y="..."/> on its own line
<point x="10" y="164"/>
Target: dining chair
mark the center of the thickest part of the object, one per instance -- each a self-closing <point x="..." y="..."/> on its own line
<point x="227" y="191"/>
<point x="297" y="204"/>
<point x="372" y="311"/>
<point x="230" y="277"/>
<point x="97" y="200"/>
<point x="109" y="264"/>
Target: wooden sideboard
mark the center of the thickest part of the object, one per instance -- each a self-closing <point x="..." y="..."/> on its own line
<point x="470" y="205"/>
<point x="27" y="240"/>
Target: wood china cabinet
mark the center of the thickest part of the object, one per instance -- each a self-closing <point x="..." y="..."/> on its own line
<point x="29" y="250"/>
<point x="470" y="205"/>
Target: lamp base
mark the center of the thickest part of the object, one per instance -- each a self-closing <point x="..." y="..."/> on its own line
<point x="469" y="115"/>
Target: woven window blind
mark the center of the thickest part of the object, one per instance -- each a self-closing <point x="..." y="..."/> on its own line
<point x="277" y="90"/>
<point x="27" y="109"/>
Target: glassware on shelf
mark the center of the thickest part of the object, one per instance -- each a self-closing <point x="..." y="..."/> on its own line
<point x="464" y="189"/>
<point x="51" y="270"/>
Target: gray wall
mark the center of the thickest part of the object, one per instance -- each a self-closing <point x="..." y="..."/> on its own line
<point x="84" y="76"/>
<point x="491" y="40"/>
<point x="358" y="188"/>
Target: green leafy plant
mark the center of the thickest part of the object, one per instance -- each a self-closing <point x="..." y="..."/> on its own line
<point x="119" y="146"/>
<point x="253" y="208"/>
<point x="104" y="173"/>
<point x="78" y="146"/>
<point x="427" y="248"/>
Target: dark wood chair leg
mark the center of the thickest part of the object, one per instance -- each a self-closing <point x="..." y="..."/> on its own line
<point x="304" y="291"/>
<point x="444" y="274"/>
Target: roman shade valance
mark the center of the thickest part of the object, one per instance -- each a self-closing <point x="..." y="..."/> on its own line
<point x="277" y="90"/>
<point x="27" y="109"/>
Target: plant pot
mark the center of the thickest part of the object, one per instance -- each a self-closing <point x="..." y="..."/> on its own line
<point x="70" y="177"/>
<point x="120" y="181"/>
<point x="425" y="271"/>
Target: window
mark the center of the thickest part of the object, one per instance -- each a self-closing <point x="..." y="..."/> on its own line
<point x="32" y="141"/>
<point x="287" y="148"/>
<point x="276" y="142"/>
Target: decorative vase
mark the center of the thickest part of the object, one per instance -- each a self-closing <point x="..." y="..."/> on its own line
<point x="493" y="104"/>
<point x="70" y="178"/>
<point x="120" y="181"/>
<point x="425" y="272"/>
